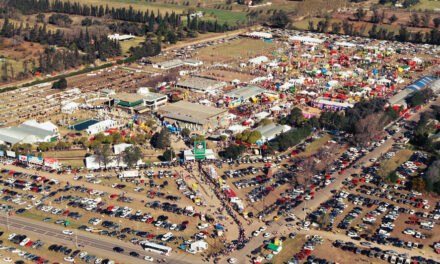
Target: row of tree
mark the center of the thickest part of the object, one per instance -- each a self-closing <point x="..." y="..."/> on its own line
<point x="376" y="32"/>
<point x="154" y="22"/>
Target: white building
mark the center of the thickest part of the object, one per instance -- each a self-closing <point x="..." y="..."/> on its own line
<point x="118" y="37"/>
<point x="118" y="148"/>
<point x="198" y="246"/>
<point x="102" y="126"/>
<point x="29" y="132"/>
<point x="270" y="131"/>
<point x="258" y="60"/>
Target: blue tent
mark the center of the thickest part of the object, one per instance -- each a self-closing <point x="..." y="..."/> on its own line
<point x="219" y="227"/>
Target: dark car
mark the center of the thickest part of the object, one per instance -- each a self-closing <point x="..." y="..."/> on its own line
<point x="118" y="249"/>
<point x="134" y="254"/>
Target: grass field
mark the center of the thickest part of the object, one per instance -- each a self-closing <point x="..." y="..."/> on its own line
<point x="390" y="165"/>
<point x="231" y="17"/>
<point x="427" y="4"/>
<point x="314" y="146"/>
<point x="224" y="16"/>
<point x="126" y="45"/>
<point x="304" y="25"/>
<point x="234" y="50"/>
<point x="65" y="154"/>
<point x="290" y="248"/>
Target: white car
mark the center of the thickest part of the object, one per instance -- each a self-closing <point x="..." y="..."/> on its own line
<point x="409" y="231"/>
<point x="68" y="232"/>
<point x="262" y="229"/>
<point x="7" y="259"/>
<point x="256" y="233"/>
<point x="232" y="260"/>
<point x="69" y="259"/>
<point x="148" y="258"/>
<point x="266" y="235"/>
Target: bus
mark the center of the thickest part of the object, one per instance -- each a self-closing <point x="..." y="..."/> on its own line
<point x="156" y="248"/>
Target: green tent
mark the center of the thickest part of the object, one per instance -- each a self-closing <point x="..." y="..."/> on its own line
<point x="273" y="247"/>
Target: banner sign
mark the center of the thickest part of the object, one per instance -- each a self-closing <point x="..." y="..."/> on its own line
<point x="10" y="154"/>
<point x="199" y="149"/>
<point x="22" y="158"/>
<point x="35" y="160"/>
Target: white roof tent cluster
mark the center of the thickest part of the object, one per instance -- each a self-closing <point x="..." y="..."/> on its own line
<point x="29" y="132"/>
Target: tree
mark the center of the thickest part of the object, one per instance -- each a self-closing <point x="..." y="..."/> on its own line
<point x="168" y="155"/>
<point x="360" y="14"/>
<point x="393" y="18"/>
<point x="249" y="136"/>
<point x="368" y="127"/>
<point x="279" y="19"/>
<point x="132" y="155"/>
<point x="233" y="152"/>
<point x="60" y="84"/>
<point x="161" y="140"/>
<point x="103" y="154"/>
<point x="296" y="117"/>
<point x="418" y="184"/>
<point x="426" y="18"/>
<point x="186" y="132"/>
<point x="392" y="177"/>
<point x="436" y="22"/>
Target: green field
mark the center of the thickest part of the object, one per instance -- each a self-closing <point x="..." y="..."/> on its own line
<point x="391" y="165"/>
<point x="427" y="4"/>
<point x="126" y="45"/>
<point x="231" y="17"/>
<point x="223" y="16"/>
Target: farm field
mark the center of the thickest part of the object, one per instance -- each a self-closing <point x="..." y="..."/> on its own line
<point x="428" y="4"/>
<point x="235" y="50"/>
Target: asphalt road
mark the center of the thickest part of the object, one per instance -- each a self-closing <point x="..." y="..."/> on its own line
<point x="101" y="246"/>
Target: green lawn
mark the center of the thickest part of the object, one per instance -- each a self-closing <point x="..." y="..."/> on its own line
<point x="223" y="16"/>
<point x="427" y="4"/>
<point x="126" y="45"/>
<point x="391" y="165"/>
<point x="315" y="145"/>
<point x="290" y="248"/>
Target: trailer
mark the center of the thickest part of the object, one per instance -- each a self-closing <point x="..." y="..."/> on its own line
<point x="129" y="174"/>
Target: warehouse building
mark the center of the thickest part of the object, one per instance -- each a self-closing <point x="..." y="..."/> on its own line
<point x="271" y="131"/>
<point x="400" y="98"/>
<point x="128" y="100"/>
<point x="29" y="132"/>
<point x="201" y="85"/>
<point x="140" y="102"/>
<point x="244" y="94"/>
<point x="189" y="115"/>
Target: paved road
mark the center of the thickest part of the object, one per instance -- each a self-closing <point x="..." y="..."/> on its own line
<point x="324" y="195"/>
<point x="101" y="246"/>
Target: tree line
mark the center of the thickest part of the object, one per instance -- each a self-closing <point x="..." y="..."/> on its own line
<point x="376" y="32"/>
<point x="155" y="21"/>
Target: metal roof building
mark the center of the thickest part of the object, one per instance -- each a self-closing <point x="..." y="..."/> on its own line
<point x="424" y="82"/>
<point x="29" y="132"/>
<point x="193" y="116"/>
<point x="203" y="85"/>
<point x="421" y="83"/>
<point x="270" y="131"/>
